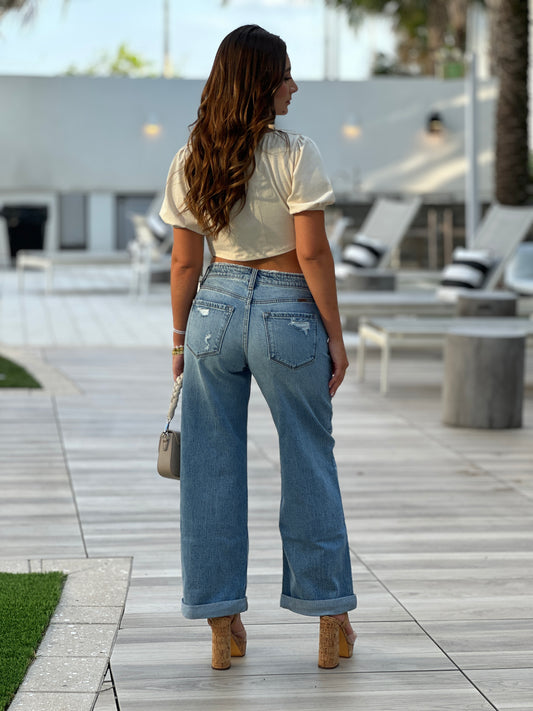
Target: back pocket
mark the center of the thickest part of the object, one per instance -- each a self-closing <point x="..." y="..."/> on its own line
<point x="291" y="338"/>
<point x="206" y="327"/>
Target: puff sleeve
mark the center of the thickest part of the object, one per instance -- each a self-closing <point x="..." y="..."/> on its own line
<point x="173" y="210"/>
<point x="311" y="188"/>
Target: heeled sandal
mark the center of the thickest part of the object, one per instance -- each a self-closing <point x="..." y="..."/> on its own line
<point x="225" y="644"/>
<point x="333" y="641"/>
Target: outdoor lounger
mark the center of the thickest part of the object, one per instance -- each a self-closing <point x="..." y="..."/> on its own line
<point x="500" y="233"/>
<point x="47" y="261"/>
<point x="378" y="237"/>
<point x="518" y="275"/>
<point x="144" y="254"/>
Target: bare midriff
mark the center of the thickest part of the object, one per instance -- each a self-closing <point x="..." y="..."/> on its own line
<point x="286" y="262"/>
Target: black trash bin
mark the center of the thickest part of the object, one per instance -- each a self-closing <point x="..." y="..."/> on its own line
<point x="25" y="226"/>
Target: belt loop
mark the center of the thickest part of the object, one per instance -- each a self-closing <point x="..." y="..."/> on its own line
<point x="205" y="275"/>
<point x="253" y="279"/>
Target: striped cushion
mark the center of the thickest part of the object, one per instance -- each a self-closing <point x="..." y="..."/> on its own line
<point x="468" y="269"/>
<point x="364" y="252"/>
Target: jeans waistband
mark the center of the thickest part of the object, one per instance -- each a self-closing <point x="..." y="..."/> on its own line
<point x="262" y="276"/>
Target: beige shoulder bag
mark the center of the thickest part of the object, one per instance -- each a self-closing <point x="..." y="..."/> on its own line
<point x="168" y="453"/>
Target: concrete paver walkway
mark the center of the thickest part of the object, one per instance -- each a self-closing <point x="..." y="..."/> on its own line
<point x="440" y="524"/>
<point x="70" y="669"/>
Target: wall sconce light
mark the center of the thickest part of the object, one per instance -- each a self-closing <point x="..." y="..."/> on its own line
<point x="152" y="128"/>
<point x="351" y="129"/>
<point x="434" y="124"/>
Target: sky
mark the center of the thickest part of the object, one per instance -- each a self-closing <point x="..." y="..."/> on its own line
<point x="80" y="31"/>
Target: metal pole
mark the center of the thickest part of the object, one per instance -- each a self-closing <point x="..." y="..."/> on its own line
<point x="472" y="209"/>
<point x="167" y="62"/>
<point x="327" y="40"/>
<point x="336" y="35"/>
<point x="331" y="43"/>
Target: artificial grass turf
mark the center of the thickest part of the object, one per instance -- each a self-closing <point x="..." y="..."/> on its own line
<point x="27" y="603"/>
<point x="14" y="376"/>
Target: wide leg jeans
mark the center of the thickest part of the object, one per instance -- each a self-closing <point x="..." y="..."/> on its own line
<point x="246" y="322"/>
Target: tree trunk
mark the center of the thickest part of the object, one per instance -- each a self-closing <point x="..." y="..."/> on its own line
<point x="437" y="29"/>
<point x="493" y="15"/>
<point x="457" y="18"/>
<point x="512" y="112"/>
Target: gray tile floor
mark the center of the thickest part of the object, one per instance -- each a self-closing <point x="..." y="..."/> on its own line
<point x="440" y="520"/>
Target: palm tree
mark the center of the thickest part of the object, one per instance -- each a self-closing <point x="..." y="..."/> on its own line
<point x="509" y="22"/>
<point x="7" y="5"/>
<point x="29" y="7"/>
<point x="423" y="27"/>
<point x="511" y="66"/>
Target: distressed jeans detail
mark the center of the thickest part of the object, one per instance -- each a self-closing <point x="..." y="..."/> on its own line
<point x="246" y="322"/>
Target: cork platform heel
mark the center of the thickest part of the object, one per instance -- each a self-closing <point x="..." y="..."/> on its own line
<point x="224" y="644"/>
<point x="333" y="642"/>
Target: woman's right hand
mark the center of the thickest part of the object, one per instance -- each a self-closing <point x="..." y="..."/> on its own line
<point x="339" y="362"/>
<point x="177" y="365"/>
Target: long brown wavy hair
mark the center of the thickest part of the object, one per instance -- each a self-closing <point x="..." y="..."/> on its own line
<point x="236" y="109"/>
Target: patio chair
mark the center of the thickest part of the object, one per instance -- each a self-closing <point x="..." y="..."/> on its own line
<point x="148" y="254"/>
<point x="518" y="275"/>
<point x="336" y="229"/>
<point x="500" y="232"/>
<point x="47" y="261"/>
<point x="379" y="236"/>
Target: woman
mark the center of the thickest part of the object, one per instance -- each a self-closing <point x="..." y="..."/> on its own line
<point x="266" y="307"/>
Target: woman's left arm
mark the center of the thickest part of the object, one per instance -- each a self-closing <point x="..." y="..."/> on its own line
<point x="185" y="271"/>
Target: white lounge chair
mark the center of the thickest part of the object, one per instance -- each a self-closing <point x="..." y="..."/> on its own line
<point x="148" y="255"/>
<point x="48" y="261"/>
<point x="501" y="231"/>
<point x="379" y="236"/>
<point x="335" y="230"/>
<point x="518" y="275"/>
<point x="150" y="230"/>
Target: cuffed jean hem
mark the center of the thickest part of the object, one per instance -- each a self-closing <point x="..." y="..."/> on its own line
<point x="214" y="609"/>
<point x="317" y="608"/>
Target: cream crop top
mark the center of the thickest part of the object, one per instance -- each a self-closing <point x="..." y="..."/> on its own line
<point x="289" y="177"/>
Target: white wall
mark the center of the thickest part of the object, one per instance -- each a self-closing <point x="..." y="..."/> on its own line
<point x="393" y="152"/>
<point x="80" y="133"/>
<point x="85" y="134"/>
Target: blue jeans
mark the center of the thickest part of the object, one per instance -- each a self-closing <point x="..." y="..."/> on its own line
<point x="246" y="322"/>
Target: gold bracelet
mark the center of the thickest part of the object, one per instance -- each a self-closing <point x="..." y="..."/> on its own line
<point x="177" y="350"/>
